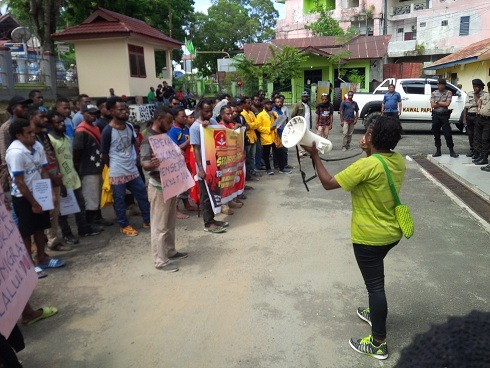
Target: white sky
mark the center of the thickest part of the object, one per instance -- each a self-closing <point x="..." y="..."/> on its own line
<point x="203" y="5"/>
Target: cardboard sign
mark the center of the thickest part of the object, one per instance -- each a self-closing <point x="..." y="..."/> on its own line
<point x="174" y="174"/>
<point x="17" y="275"/>
<point x="43" y="194"/>
<point x="69" y="204"/>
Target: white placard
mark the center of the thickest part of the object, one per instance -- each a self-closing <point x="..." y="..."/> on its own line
<point x="42" y="193"/>
<point x="69" y="204"/>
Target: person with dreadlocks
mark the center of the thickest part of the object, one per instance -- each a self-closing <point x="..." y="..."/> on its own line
<point x="374" y="228"/>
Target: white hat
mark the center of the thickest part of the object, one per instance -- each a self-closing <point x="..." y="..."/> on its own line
<point x="188" y="112"/>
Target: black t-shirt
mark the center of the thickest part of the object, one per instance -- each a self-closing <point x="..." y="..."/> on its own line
<point x="159" y="94"/>
<point x="167" y="91"/>
<point x="90" y="155"/>
<point x="101" y="123"/>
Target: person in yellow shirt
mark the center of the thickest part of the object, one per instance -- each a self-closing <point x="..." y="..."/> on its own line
<point x="374" y="228"/>
<point x="269" y="138"/>
<point x="250" y="138"/>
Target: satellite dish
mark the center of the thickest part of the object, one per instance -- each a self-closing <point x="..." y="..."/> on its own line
<point x="20" y="34"/>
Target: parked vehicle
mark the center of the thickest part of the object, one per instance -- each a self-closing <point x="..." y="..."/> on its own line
<point x="415" y="93"/>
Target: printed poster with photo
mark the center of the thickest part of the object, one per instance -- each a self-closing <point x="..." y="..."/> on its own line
<point x="224" y="163"/>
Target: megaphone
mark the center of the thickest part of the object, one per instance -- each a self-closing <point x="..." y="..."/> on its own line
<point x="295" y="132"/>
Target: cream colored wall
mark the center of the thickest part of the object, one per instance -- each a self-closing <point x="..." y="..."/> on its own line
<point x="468" y="72"/>
<point x="103" y="64"/>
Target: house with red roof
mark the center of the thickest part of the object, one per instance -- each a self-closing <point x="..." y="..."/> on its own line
<point x="116" y="51"/>
<point x="463" y="66"/>
<point x="362" y="57"/>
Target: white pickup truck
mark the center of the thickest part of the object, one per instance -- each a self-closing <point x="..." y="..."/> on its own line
<point x="415" y="93"/>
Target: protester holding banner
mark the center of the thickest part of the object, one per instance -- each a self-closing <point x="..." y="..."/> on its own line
<point x="179" y="134"/>
<point x="162" y="213"/>
<point x="71" y="181"/>
<point x="250" y="139"/>
<point x="26" y="162"/>
<point x="211" y="225"/>
<point x="40" y="122"/>
<point x="270" y="139"/>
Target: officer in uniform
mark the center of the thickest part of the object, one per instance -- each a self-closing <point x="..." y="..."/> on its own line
<point x="482" y="130"/>
<point x="469" y="114"/>
<point x="440" y="100"/>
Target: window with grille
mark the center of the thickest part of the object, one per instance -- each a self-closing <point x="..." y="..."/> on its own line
<point x="464" y="26"/>
<point x="137" y="61"/>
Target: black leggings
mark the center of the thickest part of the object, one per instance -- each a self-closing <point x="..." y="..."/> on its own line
<point x="370" y="261"/>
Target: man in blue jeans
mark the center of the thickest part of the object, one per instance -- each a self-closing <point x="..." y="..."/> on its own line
<point x="119" y="153"/>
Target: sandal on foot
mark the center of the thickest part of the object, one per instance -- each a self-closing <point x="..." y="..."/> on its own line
<point x="53" y="263"/>
<point x="47" y="312"/>
<point x="129" y="231"/>
<point x="40" y="273"/>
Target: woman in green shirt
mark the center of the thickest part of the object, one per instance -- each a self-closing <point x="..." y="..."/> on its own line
<point x="374" y="228"/>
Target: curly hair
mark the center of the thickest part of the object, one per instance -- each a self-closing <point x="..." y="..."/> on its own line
<point x="386" y="132"/>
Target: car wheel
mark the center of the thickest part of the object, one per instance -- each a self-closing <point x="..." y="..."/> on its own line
<point x="371" y="118"/>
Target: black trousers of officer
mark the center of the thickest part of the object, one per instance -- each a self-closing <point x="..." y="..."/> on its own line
<point x="470" y="129"/>
<point x="482" y="134"/>
<point x="441" y="121"/>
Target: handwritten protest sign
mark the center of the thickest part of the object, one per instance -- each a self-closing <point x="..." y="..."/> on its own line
<point x="17" y="275"/>
<point x="224" y="163"/>
<point x="174" y="174"/>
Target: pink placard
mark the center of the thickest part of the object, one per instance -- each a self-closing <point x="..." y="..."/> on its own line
<point x="174" y="174"/>
<point x="17" y="275"/>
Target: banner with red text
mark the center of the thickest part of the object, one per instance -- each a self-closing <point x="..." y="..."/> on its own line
<point x="175" y="176"/>
<point x="224" y="163"/>
<point x="17" y="275"/>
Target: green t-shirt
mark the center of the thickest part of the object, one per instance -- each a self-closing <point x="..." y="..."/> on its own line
<point x="373" y="205"/>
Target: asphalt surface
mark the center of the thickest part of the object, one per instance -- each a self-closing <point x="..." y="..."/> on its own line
<point x="279" y="289"/>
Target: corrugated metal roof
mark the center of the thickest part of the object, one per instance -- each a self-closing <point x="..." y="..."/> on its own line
<point x="104" y="23"/>
<point x="361" y="47"/>
<point x="479" y="50"/>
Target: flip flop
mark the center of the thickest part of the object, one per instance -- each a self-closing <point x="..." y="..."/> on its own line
<point x="182" y="216"/>
<point x="53" y="263"/>
<point x="40" y="273"/>
<point x="47" y="312"/>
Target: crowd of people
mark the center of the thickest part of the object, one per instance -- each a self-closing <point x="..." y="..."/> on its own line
<point x="165" y="93"/>
<point x="83" y="145"/>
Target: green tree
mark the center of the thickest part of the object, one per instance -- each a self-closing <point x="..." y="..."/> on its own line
<point x="325" y="25"/>
<point x="228" y="25"/>
<point x="284" y="65"/>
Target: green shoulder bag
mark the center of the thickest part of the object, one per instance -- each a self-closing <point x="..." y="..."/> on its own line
<point x="402" y="213"/>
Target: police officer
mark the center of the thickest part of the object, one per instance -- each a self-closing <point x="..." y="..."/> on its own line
<point x="482" y="130"/>
<point x="469" y="114"/>
<point x="440" y="100"/>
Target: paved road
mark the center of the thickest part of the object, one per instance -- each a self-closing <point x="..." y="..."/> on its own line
<point x="279" y="289"/>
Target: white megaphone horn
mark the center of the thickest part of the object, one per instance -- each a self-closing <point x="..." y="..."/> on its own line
<point x="295" y="132"/>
